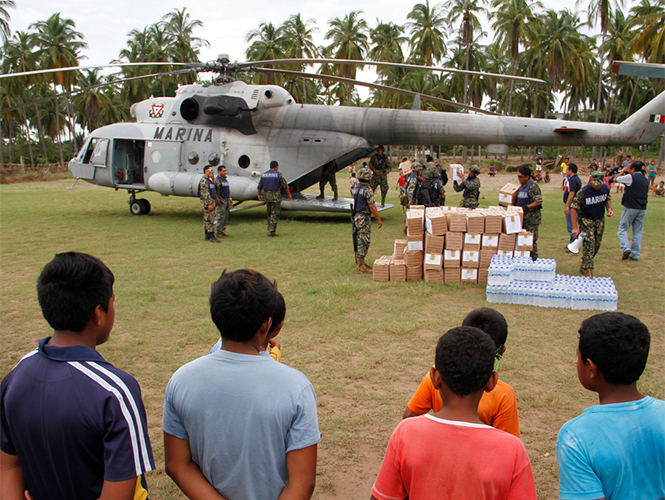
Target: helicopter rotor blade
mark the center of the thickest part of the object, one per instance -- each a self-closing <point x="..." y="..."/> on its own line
<point x="376" y="86"/>
<point x="112" y="65"/>
<point x="388" y="64"/>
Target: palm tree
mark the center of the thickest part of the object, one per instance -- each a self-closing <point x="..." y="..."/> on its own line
<point x="138" y="46"/>
<point x="349" y="41"/>
<point x="161" y="48"/>
<point x="5" y="32"/>
<point x="269" y="43"/>
<point x="466" y="11"/>
<point x="185" y="46"/>
<point x="58" y="45"/>
<point x="427" y="38"/>
<point x="299" y="42"/>
<point x="89" y="103"/>
<point x="512" y="28"/>
<point x="649" y="21"/>
<point x="387" y="40"/>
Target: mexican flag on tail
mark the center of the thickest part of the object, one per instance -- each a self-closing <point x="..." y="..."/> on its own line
<point x="657" y="118"/>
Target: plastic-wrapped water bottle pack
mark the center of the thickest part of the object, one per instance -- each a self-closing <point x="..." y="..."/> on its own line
<point x="570" y="292"/>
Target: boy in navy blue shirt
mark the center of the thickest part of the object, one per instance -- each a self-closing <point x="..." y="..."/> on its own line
<point x="615" y="450"/>
<point x="73" y="425"/>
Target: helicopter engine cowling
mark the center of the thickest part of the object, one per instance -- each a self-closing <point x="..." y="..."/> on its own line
<point x="176" y="183"/>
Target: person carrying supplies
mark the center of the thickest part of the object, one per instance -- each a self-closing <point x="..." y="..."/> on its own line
<point x="471" y="187"/>
<point x="430" y="191"/>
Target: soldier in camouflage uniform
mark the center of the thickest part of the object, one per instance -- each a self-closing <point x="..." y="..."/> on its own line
<point x="225" y="202"/>
<point x="209" y="194"/>
<point x="430" y="192"/>
<point x="363" y="208"/>
<point x="587" y="211"/>
<point x="471" y="187"/>
<point x="328" y="176"/>
<point x="272" y="184"/>
<point x="380" y="165"/>
<point x="530" y="199"/>
<point x="413" y="181"/>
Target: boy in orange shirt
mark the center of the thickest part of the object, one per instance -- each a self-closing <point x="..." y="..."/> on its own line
<point x="451" y="454"/>
<point x="497" y="407"/>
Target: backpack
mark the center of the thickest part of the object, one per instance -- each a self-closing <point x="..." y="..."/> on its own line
<point x="444" y="176"/>
<point x="427" y="193"/>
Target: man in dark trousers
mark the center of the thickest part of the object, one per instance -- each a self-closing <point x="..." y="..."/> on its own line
<point x="272" y="185"/>
<point x="574" y="185"/>
<point x="634" y="203"/>
<point x="225" y="202"/>
<point x="530" y="199"/>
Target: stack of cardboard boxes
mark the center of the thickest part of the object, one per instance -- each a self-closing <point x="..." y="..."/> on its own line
<point x="454" y="245"/>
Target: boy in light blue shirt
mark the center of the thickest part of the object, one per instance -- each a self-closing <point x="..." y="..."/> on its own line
<point x="615" y="450"/>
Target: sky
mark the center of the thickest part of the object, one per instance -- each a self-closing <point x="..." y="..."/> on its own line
<point x="105" y="25"/>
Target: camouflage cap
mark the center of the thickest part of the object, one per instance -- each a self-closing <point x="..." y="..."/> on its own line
<point x="431" y="172"/>
<point x="364" y="174"/>
<point x="417" y="166"/>
<point x="596" y="179"/>
<point x="474" y="169"/>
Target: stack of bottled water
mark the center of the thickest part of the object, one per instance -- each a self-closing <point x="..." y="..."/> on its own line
<point x="522" y="281"/>
<point x="504" y="269"/>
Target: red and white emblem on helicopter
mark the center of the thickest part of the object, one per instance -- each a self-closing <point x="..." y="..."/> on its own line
<point x="156" y="111"/>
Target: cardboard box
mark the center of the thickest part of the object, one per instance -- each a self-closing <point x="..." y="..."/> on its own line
<point x="506" y="242"/>
<point x="456" y="172"/>
<point x="508" y="194"/>
<point x="493" y="223"/>
<point x="486" y="257"/>
<point x="522" y="253"/>
<point x="482" y="276"/>
<point x="433" y="261"/>
<point x="397" y="270"/>
<point x="413" y="258"/>
<point x="398" y="251"/>
<point x="452" y="275"/>
<point x="436" y="223"/>
<point x="475" y="222"/>
<point x="454" y="241"/>
<point x="417" y="207"/>
<point x="490" y="241"/>
<point x="452" y="258"/>
<point x="469" y="275"/>
<point x="434" y="244"/>
<point x="414" y="242"/>
<point x="381" y="269"/>
<point x="414" y="273"/>
<point x="470" y="259"/>
<point x="456" y="222"/>
<point x="511" y="210"/>
<point x="433" y="275"/>
<point x="512" y="224"/>
<point x="472" y="241"/>
<point x="414" y="222"/>
<point x="503" y="252"/>
<point x="524" y="240"/>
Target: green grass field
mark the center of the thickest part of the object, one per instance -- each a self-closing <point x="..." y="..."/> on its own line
<point x="364" y="345"/>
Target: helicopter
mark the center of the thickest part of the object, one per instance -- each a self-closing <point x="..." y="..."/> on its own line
<point x="244" y="127"/>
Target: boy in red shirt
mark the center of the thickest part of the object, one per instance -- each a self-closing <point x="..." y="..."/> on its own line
<point x="452" y="454"/>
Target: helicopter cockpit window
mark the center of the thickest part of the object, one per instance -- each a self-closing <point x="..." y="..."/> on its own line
<point x="100" y="146"/>
<point x="213" y="159"/>
<point x="193" y="158"/>
<point x="244" y="161"/>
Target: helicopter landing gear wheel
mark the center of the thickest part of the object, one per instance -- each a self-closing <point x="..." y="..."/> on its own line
<point x="136" y="207"/>
<point x="146" y="206"/>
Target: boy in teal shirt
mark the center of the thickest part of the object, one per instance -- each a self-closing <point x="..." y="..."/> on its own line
<point x="615" y="450"/>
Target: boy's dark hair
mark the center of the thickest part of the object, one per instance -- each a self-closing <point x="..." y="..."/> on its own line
<point x="638" y="166"/>
<point x="618" y="344"/>
<point x="70" y="287"/>
<point x="207" y="167"/>
<point x="353" y="174"/>
<point x="572" y="167"/>
<point x="491" y="322"/>
<point x="525" y="171"/>
<point x="274" y="164"/>
<point x="240" y="302"/>
<point x="278" y="313"/>
<point x="465" y="359"/>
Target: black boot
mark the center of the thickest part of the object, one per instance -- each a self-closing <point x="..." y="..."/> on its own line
<point x="212" y="239"/>
<point x="207" y="234"/>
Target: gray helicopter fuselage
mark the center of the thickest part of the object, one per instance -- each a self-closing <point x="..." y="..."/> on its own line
<point x="245" y="127"/>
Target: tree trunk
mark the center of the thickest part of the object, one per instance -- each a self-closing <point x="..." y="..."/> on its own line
<point x="630" y="104"/>
<point x="464" y="155"/>
<point x="57" y="122"/>
<point x="661" y="156"/>
<point x="9" y="139"/>
<point x="27" y="135"/>
<point x="2" y="146"/>
<point x="600" y="81"/>
<point x="41" y="133"/>
<point x="71" y="122"/>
